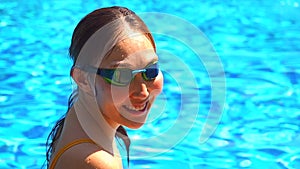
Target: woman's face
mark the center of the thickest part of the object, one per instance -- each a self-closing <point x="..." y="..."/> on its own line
<point x="128" y="105"/>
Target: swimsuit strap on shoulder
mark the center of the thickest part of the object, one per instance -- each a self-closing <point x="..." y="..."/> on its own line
<point x="68" y="146"/>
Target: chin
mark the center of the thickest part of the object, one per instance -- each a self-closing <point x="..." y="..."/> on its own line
<point x="134" y="125"/>
<point x="133" y="121"/>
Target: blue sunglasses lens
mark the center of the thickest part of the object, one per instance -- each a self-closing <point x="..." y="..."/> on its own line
<point x="122" y="77"/>
<point x="151" y="72"/>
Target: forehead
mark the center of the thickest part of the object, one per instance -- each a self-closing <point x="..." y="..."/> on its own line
<point x="133" y="52"/>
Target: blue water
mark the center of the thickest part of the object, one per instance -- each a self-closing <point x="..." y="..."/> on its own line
<point x="257" y="42"/>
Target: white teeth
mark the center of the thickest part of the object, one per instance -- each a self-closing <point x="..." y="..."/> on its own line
<point x="136" y="108"/>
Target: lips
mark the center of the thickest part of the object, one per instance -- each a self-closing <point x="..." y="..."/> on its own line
<point x="136" y="108"/>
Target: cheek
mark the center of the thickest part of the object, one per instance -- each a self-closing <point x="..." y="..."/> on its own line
<point x="107" y="93"/>
<point x="118" y="94"/>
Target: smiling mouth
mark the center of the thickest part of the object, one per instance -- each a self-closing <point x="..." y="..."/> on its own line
<point x="132" y="108"/>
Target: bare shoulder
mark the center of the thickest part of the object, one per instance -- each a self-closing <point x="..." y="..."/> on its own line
<point x="87" y="156"/>
<point x="103" y="160"/>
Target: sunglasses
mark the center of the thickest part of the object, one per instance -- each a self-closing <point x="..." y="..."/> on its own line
<point x="123" y="76"/>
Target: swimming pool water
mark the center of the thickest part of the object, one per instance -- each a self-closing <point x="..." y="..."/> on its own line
<point x="257" y="42"/>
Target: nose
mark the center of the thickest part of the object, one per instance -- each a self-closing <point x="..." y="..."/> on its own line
<point x="138" y="88"/>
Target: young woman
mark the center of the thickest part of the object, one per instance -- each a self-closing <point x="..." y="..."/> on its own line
<point x="116" y="71"/>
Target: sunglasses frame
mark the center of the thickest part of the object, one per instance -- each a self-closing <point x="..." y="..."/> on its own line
<point x="107" y="74"/>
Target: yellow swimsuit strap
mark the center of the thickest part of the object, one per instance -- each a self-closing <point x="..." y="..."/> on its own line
<point x="66" y="147"/>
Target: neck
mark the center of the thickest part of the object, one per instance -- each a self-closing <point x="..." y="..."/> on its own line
<point x="93" y="122"/>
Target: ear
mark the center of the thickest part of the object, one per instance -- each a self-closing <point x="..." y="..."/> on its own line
<point x="80" y="77"/>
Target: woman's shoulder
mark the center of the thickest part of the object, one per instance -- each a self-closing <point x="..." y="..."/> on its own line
<point x="87" y="156"/>
<point x="102" y="159"/>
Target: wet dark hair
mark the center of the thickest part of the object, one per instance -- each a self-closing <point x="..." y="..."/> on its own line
<point x="83" y="31"/>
